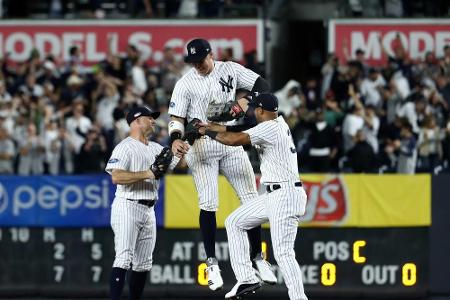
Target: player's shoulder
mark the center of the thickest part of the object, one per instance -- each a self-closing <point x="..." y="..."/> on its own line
<point x="124" y="145"/>
<point x="188" y="76"/>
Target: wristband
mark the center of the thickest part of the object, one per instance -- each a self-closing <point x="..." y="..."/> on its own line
<point x="176" y="135"/>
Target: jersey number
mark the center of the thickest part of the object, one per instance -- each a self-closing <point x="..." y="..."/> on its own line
<point x="293" y="149"/>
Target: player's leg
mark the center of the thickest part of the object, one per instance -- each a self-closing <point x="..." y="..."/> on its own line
<point x="237" y="168"/>
<point x="237" y="223"/>
<point x="205" y="171"/>
<point x="143" y="255"/>
<point x="284" y="207"/>
<point x="124" y="226"/>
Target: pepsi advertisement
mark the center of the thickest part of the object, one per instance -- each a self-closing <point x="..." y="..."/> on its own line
<point x="59" y="201"/>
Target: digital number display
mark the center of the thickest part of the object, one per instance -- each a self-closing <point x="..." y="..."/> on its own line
<point x="330" y="259"/>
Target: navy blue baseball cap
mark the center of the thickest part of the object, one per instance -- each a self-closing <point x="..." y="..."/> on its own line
<point x="140" y="111"/>
<point x="267" y="102"/>
<point x="197" y="50"/>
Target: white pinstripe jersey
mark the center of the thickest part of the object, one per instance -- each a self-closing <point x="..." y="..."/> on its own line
<point x="193" y="92"/>
<point x="276" y="148"/>
<point x="134" y="156"/>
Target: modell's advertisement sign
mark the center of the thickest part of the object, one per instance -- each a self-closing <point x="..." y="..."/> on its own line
<point x="417" y="36"/>
<point x="96" y="39"/>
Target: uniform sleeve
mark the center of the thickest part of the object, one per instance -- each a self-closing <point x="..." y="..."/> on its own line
<point x="180" y="100"/>
<point x="263" y="134"/>
<point x="120" y="159"/>
<point x="245" y="77"/>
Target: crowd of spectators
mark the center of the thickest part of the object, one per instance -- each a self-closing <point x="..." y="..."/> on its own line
<point x="65" y="117"/>
<point x="360" y="118"/>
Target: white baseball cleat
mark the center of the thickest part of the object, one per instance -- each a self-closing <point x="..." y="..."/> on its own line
<point x="215" y="280"/>
<point x="241" y="289"/>
<point x="264" y="271"/>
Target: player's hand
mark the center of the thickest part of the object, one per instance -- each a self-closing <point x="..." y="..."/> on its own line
<point x="243" y="103"/>
<point x="179" y="148"/>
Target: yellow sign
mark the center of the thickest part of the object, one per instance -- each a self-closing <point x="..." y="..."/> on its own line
<point x="333" y="201"/>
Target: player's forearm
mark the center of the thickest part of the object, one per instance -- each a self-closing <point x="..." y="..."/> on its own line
<point x="229" y="138"/>
<point x="126" y="177"/>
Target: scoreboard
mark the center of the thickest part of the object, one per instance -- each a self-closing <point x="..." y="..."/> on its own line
<point x="334" y="261"/>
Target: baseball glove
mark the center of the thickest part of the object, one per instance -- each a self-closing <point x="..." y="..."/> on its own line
<point x="221" y="112"/>
<point x="162" y="162"/>
<point x="191" y="132"/>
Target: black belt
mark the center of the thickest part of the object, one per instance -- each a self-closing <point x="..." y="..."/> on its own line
<point x="273" y="187"/>
<point x="149" y="203"/>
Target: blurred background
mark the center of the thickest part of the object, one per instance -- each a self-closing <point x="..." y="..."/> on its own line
<point x="364" y="86"/>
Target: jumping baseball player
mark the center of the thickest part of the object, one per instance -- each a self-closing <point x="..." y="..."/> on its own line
<point x="136" y="166"/>
<point x="207" y="85"/>
<point x="282" y="205"/>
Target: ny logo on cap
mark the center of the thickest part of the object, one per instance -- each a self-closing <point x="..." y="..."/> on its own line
<point x="192" y="50"/>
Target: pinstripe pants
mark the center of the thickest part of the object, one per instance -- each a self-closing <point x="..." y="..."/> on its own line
<point x="206" y="158"/>
<point x="134" y="227"/>
<point x="282" y="208"/>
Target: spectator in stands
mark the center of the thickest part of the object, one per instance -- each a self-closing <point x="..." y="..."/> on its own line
<point x="333" y="112"/>
<point x="138" y="78"/>
<point x="68" y="154"/>
<point x="74" y="90"/>
<point x="31" y="88"/>
<point x="328" y="71"/>
<point x="429" y="145"/>
<point x="289" y="98"/>
<point x="407" y="157"/>
<point x="311" y="94"/>
<point x="371" y="87"/>
<point x="92" y="153"/>
<point x="7" y="153"/>
<point x="361" y="156"/>
<point x="78" y="126"/>
<point x="414" y="110"/>
<point x="31" y="153"/>
<point x="52" y="145"/>
<point x="353" y="121"/>
<point x="322" y="144"/>
<point x="371" y="127"/>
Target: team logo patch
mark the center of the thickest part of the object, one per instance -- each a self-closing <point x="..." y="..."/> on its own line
<point x="113" y="160"/>
<point x="172" y="104"/>
<point x="192" y="50"/>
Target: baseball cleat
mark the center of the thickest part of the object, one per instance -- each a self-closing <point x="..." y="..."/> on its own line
<point x="264" y="271"/>
<point x="241" y="289"/>
<point x="215" y="280"/>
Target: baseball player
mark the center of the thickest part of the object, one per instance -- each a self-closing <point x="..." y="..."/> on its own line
<point x="135" y="165"/>
<point x="215" y="82"/>
<point x="282" y="205"/>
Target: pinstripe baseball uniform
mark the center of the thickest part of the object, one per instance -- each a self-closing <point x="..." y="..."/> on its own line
<point x="134" y="224"/>
<point x="190" y="99"/>
<point x="282" y="206"/>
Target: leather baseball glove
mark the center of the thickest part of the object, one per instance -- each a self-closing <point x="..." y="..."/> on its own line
<point x="162" y="162"/>
<point x="191" y="132"/>
<point x="221" y="112"/>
